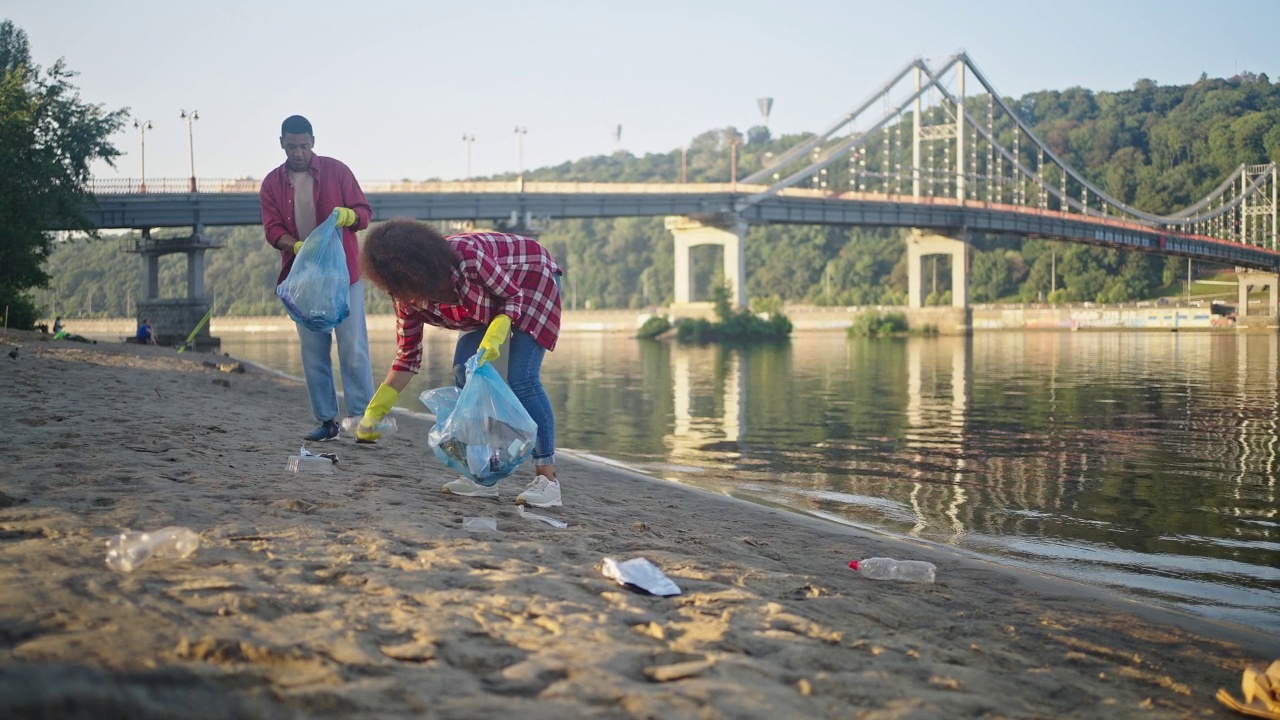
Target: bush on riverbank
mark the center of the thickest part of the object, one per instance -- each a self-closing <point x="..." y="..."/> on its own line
<point x="876" y="324"/>
<point x="653" y="327"/>
<point x="743" y="327"/>
<point x="734" y="326"/>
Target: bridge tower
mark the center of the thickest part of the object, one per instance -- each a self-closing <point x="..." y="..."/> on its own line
<point x="173" y="319"/>
<point x="726" y="230"/>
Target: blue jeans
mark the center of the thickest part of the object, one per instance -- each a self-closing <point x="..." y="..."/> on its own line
<point x="353" y="359"/>
<point x="524" y="375"/>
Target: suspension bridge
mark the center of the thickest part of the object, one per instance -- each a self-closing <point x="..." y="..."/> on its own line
<point x="921" y="152"/>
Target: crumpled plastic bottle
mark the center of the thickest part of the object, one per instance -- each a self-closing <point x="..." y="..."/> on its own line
<point x="129" y="549"/>
<point x="889" y="569"/>
<point x="386" y="426"/>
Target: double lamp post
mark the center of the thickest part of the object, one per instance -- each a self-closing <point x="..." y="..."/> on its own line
<point x="144" y="126"/>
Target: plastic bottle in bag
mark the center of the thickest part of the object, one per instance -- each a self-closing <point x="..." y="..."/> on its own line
<point x="129" y="549"/>
<point x="889" y="569"/>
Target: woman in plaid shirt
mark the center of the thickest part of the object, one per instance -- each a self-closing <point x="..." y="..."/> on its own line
<point x="482" y="284"/>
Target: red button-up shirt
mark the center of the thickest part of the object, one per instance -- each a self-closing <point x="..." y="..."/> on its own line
<point x="335" y="186"/>
<point x="498" y="274"/>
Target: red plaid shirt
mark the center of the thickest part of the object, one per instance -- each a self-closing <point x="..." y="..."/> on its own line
<point x="498" y="274"/>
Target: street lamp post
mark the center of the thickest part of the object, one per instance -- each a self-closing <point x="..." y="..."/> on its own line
<point x="520" y="133"/>
<point x="143" y="127"/>
<point x="733" y="163"/>
<point x="468" y="139"/>
<point x="191" y="142"/>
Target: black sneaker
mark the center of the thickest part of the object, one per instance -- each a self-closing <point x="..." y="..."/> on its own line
<point x="327" y="431"/>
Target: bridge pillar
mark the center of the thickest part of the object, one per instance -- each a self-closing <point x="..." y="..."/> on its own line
<point x="1250" y="279"/>
<point x="173" y="319"/>
<point x="922" y="244"/>
<point x="195" y="274"/>
<point x="150" y="277"/>
<point x="726" y="231"/>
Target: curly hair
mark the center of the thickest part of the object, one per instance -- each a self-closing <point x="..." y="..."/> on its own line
<point x="409" y="260"/>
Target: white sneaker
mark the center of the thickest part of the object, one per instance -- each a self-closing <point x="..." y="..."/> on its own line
<point x="542" y="492"/>
<point x="467" y="487"/>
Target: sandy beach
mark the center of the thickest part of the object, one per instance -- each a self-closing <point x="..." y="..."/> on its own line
<point x="359" y="594"/>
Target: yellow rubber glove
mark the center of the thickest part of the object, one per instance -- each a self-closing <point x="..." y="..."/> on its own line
<point x="378" y="408"/>
<point x="494" y="337"/>
<point x="297" y="247"/>
<point x="346" y="216"/>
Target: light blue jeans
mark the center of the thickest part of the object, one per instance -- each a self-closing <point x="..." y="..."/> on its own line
<point x="524" y="375"/>
<point x="353" y="359"/>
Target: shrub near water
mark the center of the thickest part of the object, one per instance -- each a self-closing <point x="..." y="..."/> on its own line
<point x="653" y="327"/>
<point x="734" y="326"/>
<point x="739" y="327"/>
<point x="874" y="324"/>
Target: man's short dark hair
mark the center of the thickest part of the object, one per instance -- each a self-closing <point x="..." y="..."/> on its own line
<point x="295" y="125"/>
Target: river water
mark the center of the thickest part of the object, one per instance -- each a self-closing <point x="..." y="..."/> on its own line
<point x="1143" y="462"/>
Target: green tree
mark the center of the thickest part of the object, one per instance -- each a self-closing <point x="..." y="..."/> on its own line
<point x="48" y="138"/>
<point x="988" y="276"/>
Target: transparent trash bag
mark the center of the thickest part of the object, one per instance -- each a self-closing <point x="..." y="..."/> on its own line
<point x="316" y="291"/>
<point x="482" y="431"/>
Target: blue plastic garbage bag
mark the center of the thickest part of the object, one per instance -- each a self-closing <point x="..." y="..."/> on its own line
<point x="316" y="291"/>
<point x="482" y="431"/>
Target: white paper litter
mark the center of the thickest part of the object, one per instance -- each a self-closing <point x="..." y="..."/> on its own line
<point x="641" y="573"/>
<point x="535" y="516"/>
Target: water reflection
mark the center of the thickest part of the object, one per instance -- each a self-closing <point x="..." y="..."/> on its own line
<point x="937" y="405"/>
<point x="1144" y="461"/>
<point x="708" y="426"/>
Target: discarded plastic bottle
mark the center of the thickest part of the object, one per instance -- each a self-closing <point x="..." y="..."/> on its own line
<point x="890" y="569"/>
<point x="129" y="549"/>
<point x="385" y="426"/>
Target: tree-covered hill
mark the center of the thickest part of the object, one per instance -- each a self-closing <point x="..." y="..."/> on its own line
<point x="1158" y="148"/>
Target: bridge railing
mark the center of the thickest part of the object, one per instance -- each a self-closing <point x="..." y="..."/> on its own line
<point x="171" y="186"/>
<point x="182" y="186"/>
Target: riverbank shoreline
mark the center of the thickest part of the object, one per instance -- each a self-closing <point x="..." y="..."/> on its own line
<point x="359" y="593"/>
<point x="814" y="319"/>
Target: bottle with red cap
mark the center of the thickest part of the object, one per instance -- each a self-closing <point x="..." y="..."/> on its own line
<point x="889" y="569"/>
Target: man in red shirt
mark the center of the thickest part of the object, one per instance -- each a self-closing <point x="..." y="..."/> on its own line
<point x="296" y="197"/>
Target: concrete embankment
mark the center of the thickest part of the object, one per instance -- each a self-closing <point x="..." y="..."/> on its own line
<point x="612" y="321"/>
<point x="981" y="318"/>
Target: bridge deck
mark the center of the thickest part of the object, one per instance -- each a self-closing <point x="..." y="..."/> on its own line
<point x="236" y="202"/>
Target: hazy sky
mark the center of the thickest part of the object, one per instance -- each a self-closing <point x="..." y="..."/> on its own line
<point x="392" y="86"/>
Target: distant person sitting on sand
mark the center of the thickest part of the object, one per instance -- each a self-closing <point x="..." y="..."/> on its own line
<point x="57" y="325"/>
<point x="64" y="335"/>
<point x="146" y="336"/>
